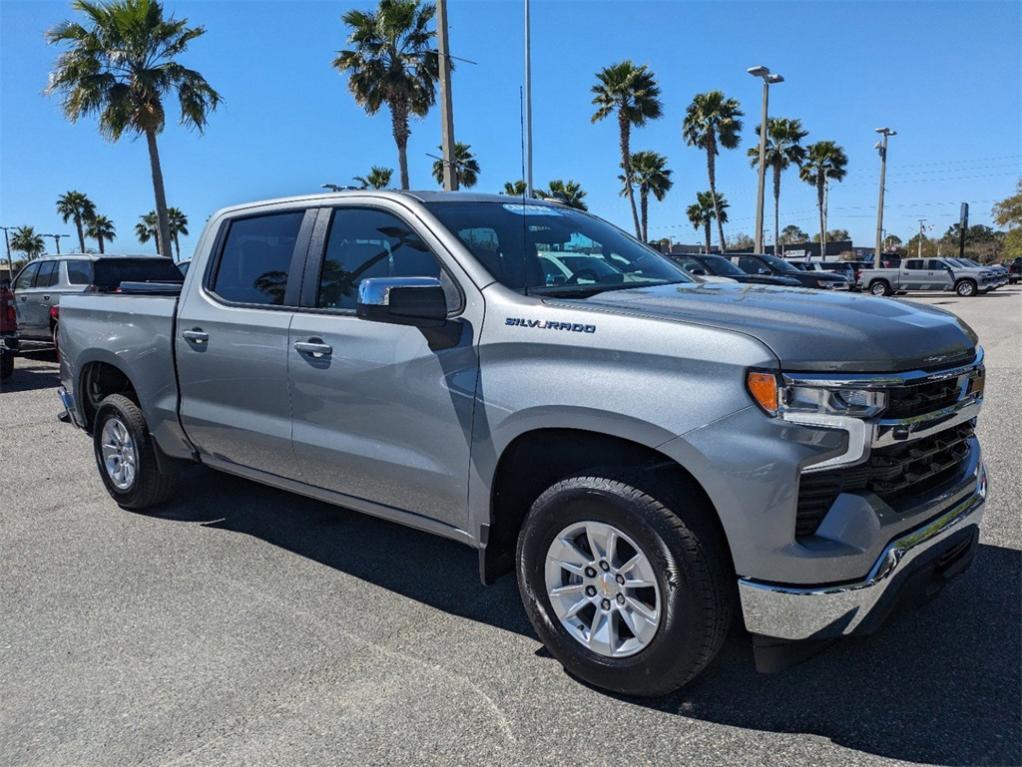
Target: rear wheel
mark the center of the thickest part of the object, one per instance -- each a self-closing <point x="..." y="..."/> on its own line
<point x="965" y="288"/>
<point x="626" y="581"/>
<point x="6" y="363"/>
<point x="126" y="455"/>
<point x="879" y="288"/>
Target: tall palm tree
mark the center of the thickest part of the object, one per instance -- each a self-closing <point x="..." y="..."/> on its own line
<point x="178" y="226"/>
<point x="515" y="188"/>
<point x="465" y="164"/>
<point x="651" y="175"/>
<point x="392" y="62"/>
<point x="25" y="240"/>
<point x="712" y="121"/>
<point x="824" y="161"/>
<point x="706" y="208"/>
<point x="79" y="208"/>
<point x="783" y="149"/>
<point x="101" y="229"/>
<point x="120" y="64"/>
<point x="377" y="178"/>
<point x="569" y="192"/>
<point x="147" y="227"/>
<point x="632" y="92"/>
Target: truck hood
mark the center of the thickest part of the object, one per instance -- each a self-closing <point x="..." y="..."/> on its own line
<point x="810" y="330"/>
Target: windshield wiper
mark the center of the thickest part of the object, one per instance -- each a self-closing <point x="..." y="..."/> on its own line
<point x="588" y="291"/>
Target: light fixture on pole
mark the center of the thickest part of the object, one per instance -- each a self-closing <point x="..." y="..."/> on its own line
<point x="769" y="78"/>
<point x="881" y="146"/>
<point x="56" y="240"/>
<point x="332" y="187"/>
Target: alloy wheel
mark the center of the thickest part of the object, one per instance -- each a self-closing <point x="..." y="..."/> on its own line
<point x="120" y="458"/>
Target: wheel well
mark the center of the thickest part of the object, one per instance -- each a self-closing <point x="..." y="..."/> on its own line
<point x="537" y="459"/>
<point x="98" y="380"/>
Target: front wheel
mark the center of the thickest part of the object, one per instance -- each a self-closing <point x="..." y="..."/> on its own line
<point x="126" y="455"/>
<point x="626" y="581"/>
<point x="965" y="288"/>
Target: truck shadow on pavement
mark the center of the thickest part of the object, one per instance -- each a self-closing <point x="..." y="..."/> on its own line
<point x="938" y="686"/>
<point x="33" y="372"/>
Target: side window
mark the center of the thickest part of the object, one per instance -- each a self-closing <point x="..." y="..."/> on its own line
<point x="79" y="272"/>
<point x="366" y="243"/>
<point x="48" y="273"/>
<point x="256" y="258"/>
<point x="751" y="265"/>
<point x="936" y="265"/>
<point x="26" y="277"/>
<point x="914" y="263"/>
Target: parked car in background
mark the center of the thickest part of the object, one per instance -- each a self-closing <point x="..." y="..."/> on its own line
<point x="1000" y="271"/>
<point x="649" y="456"/>
<point x="718" y="266"/>
<point x="41" y="283"/>
<point x="183" y="266"/>
<point x="1015" y="271"/>
<point x="928" y="274"/>
<point x="767" y="265"/>
<point x="8" y="331"/>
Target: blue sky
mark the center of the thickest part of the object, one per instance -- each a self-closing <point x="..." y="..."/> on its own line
<point x="945" y="75"/>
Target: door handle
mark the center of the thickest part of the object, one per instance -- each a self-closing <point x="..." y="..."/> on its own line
<point x="196" y="336"/>
<point x="314" y="347"/>
<point x="46" y="298"/>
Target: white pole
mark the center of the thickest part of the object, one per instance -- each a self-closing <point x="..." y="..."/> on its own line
<point x="528" y="104"/>
<point x="446" y="110"/>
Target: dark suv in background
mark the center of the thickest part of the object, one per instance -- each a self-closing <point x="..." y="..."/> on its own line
<point x="718" y="266"/>
<point x="765" y="265"/>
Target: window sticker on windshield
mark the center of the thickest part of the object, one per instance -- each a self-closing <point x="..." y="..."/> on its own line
<point x="531" y="210"/>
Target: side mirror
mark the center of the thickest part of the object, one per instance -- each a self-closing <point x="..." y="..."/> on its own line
<point x="699" y="272"/>
<point x="418" y="301"/>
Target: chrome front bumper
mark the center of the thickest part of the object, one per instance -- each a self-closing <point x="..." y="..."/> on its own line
<point x="818" y="612"/>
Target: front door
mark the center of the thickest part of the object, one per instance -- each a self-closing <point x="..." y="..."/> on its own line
<point x="378" y="414"/>
<point x="25" y="300"/>
<point x="232" y="343"/>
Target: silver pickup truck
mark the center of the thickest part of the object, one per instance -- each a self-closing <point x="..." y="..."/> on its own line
<point x="929" y="274"/>
<point x="652" y="456"/>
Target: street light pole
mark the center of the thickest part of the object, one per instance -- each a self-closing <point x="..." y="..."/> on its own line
<point x="528" y="104"/>
<point x="56" y="240"/>
<point x="881" y="146"/>
<point x="10" y="263"/>
<point x="768" y="80"/>
<point x="922" y="233"/>
<point x="446" y="110"/>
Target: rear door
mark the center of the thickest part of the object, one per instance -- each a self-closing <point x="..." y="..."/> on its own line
<point x="231" y="341"/>
<point x="379" y="415"/>
<point x="39" y="298"/>
<point x="913" y="274"/>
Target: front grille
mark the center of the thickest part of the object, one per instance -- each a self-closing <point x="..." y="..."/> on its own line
<point x="920" y="399"/>
<point x="894" y="473"/>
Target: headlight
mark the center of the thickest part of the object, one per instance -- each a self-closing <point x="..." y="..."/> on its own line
<point x="776" y="398"/>
<point x="824" y="284"/>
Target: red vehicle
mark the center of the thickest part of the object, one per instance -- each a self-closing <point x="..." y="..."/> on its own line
<point x="8" y="330"/>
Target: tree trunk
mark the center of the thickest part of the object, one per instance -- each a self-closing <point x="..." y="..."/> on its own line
<point x="177" y="247"/>
<point x="163" y="222"/>
<point x="777" y="210"/>
<point x="81" y="234"/>
<point x="99" y="241"/>
<point x="399" y="127"/>
<point x="706" y="227"/>
<point x="823" y="220"/>
<point x="625" y="129"/>
<point x="711" y="171"/>
<point x="644" y="203"/>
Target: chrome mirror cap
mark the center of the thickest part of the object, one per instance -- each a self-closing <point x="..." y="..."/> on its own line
<point x="375" y="291"/>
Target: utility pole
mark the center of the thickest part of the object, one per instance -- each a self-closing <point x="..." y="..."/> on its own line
<point x="446" y="111"/>
<point x="922" y="234"/>
<point x="56" y="240"/>
<point x="10" y="263"/>
<point x="768" y="80"/>
<point x="528" y="104"/>
<point x="881" y="147"/>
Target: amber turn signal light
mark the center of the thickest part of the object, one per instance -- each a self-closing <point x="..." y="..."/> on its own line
<point x="763" y="388"/>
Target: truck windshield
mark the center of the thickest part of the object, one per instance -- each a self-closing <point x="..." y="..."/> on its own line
<point x="550" y="249"/>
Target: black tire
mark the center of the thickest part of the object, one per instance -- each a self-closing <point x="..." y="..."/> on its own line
<point x="966" y="288"/>
<point x="152" y="482"/>
<point x="880" y="288"/>
<point x="6" y="364"/>
<point x="674" y="528"/>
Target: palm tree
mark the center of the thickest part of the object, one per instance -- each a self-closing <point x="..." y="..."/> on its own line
<point x="120" y="64"/>
<point x="651" y="175"/>
<point x="824" y="161"/>
<point x="464" y="162"/>
<point x="101" y="229"/>
<point x="392" y="62"/>
<point x="705" y="209"/>
<point x="712" y="121"/>
<point x="782" y="150"/>
<point x="630" y="91"/>
<point x="147" y="227"/>
<point x="75" y="205"/>
<point x="568" y="192"/>
<point x="515" y="188"/>
<point x="377" y="178"/>
<point x="178" y="226"/>
<point x="25" y="240"/>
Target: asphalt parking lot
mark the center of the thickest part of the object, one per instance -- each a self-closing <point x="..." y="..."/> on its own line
<point x="242" y="625"/>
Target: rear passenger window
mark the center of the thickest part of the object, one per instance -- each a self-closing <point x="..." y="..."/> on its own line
<point x="256" y="258"/>
<point x="25" y="278"/>
<point x="48" y="273"/>
<point x="367" y="243"/>
<point x="79" y="272"/>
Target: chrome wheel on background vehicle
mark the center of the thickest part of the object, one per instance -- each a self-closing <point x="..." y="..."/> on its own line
<point x="878" y="288"/>
<point x="603" y="589"/>
<point x="120" y="458"/>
